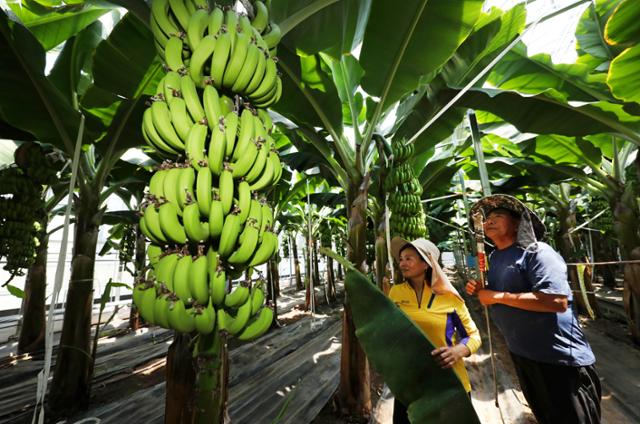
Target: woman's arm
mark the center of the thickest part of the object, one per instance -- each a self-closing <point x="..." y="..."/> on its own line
<point x="470" y="341"/>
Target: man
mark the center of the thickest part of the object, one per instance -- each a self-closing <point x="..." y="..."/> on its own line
<point x="531" y="301"/>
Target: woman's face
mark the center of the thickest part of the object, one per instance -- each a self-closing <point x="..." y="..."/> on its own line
<point x="411" y="264"/>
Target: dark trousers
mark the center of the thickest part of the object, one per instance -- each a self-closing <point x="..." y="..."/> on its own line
<point x="559" y="394"/>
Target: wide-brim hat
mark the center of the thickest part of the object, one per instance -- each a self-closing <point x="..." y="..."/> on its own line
<point x="430" y="253"/>
<point x="503" y="201"/>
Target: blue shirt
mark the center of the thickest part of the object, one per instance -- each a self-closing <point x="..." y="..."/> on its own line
<point x="554" y="338"/>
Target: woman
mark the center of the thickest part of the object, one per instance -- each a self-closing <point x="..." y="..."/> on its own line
<point x="429" y="299"/>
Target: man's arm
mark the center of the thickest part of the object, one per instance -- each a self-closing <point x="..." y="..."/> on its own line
<point x="531" y="301"/>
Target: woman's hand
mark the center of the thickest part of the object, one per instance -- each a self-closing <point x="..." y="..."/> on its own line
<point x="447" y="356"/>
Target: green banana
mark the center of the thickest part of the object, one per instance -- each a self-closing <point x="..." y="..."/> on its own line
<point x="198" y="284"/>
<point x="161" y="311"/>
<point x="179" y="318"/>
<point x="266" y="221"/>
<point x="268" y="81"/>
<point x="152" y="137"/>
<point x="237" y="297"/>
<point x="266" y="120"/>
<point x="180" y="118"/>
<point x="146" y="306"/>
<point x="218" y="285"/>
<point x="151" y="220"/>
<point x="154" y="253"/>
<point x="267" y="248"/>
<point x="162" y="122"/>
<point x="231" y="121"/>
<point x="261" y="18"/>
<point x="273" y="37"/>
<point x="198" y="22"/>
<point x="258" y="326"/>
<point x="159" y="37"/>
<point x="170" y="184"/>
<point x="244" y="201"/>
<point x="245" y="161"/>
<point x="257" y="298"/>
<point x="160" y="13"/>
<point x="196" y="230"/>
<point x="273" y="98"/>
<point x="246" y="131"/>
<point x="196" y="141"/>
<point x="180" y="11"/>
<point x="170" y="224"/>
<point x="211" y="101"/>
<point x="217" y="149"/>
<point x="205" y="319"/>
<point x="258" y="74"/>
<point x="255" y="213"/>
<point x="181" y="278"/>
<point x="248" y="68"/>
<point x="203" y="190"/>
<point x="216" y="19"/>
<point x="229" y="235"/>
<point x="173" y="54"/>
<point x="231" y="23"/>
<point x="171" y="87"/>
<point x="185" y="185"/>
<point x="216" y="219"/>
<point x="220" y="58"/>
<point x="267" y="175"/>
<point x="236" y="60"/>
<point x="259" y="163"/>
<point x="234" y="325"/>
<point x="200" y="57"/>
<point x="165" y="269"/>
<point x="225" y="186"/>
<point x="247" y="246"/>
<point x="156" y="182"/>
<point x="191" y="97"/>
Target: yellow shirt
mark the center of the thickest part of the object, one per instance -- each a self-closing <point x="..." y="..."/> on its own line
<point x="444" y="318"/>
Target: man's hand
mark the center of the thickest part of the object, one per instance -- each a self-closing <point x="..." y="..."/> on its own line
<point x="489" y="297"/>
<point x="447" y="356"/>
<point x="472" y="287"/>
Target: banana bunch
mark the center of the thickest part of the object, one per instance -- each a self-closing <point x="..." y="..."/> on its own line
<point x="188" y="294"/>
<point x="407" y="215"/>
<point x="203" y="212"/>
<point x="219" y="47"/>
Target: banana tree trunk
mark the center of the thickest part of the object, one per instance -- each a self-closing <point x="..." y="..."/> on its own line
<point x="604" y="252"/>
<point x="381" y="253"/>
<point x="197" y="390"/>
<point x="354" y="390"/>
<point x="331" y="279"/>
<point x="316" y="266"/>
<point x="139" y="264"/>
<point x="296" y="264"/>
<point x="566" y="243"/>
<point x="626" y="219"/>
<point x="32" y="331"/>
<point x="70" y="385"/>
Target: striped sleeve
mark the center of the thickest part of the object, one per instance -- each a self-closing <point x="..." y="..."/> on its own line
<point x="472" y="338"/>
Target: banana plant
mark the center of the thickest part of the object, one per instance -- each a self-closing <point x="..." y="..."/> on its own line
<point x="86" y="80"/>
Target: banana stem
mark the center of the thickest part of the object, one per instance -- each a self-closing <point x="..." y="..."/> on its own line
<point x="212" y="376"/>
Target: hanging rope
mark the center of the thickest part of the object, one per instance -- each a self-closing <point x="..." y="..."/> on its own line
<point x="43" y="376"/>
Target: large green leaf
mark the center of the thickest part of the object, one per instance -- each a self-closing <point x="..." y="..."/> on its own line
<point x="624" y="24"/>
<point x="54" y="27"/>
<point x="590" y="31"/>
<point x="28" y="100"/>
<point x="544" y="115"/>
<point x="71" y="69"/>
<point x="330" y="26"/>
<point x="399" y="351"/>
<point x="124" y="130"/>
<point x="394" y="54"/>
<point x="624" y="75"/>
<point x="492" y="32"/>
<point x="309" y="96"/>
<point x="122" y="62"/>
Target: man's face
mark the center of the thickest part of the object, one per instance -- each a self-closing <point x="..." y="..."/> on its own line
<point x="500" y="224"/>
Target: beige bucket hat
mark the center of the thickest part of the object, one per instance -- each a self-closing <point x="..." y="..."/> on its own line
<point x="430" y="253"/>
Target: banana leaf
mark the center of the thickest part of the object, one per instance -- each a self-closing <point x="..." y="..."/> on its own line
<point x="400" y="352"/>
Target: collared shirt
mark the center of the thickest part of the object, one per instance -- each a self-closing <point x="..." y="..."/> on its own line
<point x="549" y="337"/>
<point x="444" y="319"/>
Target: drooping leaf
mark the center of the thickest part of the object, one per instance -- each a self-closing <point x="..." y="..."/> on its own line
<point x="624" y="74"/>
<point x="399" y="351"/>
<point x="53" y="27"/>
<point x="590" y="31"/>
<point x="393" y="51"/>
<point x="75" y="57"/>
<point x="334" y="27"/>
<point x="28" y="100"/>
<point x="623" y="26"/>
